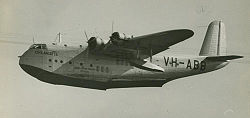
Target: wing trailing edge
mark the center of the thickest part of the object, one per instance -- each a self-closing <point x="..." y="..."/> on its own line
<point x="223" y="58"/>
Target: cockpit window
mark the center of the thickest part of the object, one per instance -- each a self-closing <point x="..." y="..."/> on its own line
<point x="38" y="46"/>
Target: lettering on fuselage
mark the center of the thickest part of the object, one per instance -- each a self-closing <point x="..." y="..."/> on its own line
<point x="190" y="64"/>
<point x="53" y="53"/>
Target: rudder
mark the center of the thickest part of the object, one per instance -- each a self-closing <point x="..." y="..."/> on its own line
<point x="214" y="43"/>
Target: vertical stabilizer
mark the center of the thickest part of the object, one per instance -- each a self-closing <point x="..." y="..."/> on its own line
<point x="214" y="43"/>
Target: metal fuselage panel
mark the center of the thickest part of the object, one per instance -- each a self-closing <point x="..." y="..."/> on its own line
<point x="78" y="64"/>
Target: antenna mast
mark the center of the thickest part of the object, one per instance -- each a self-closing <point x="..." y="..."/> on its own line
<point x="59" y="37"/>
<point x="112" y="27"/>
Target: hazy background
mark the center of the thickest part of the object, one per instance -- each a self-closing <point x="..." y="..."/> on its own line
<point x="221" y="94"/>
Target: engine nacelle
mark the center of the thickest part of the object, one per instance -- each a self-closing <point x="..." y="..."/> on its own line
<point x="119" y="38"/>
<point x="95" y="43"/>
<point x="122" y="36"/>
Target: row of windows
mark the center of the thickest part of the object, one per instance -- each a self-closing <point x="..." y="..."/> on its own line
<point x="61" y="61"/>
<point x="118" y="62"/>
<point x="102" y="69"/>
<point x="98" y="68"/>
<point x="70" y="62"/>
<point x="122" y="62"/>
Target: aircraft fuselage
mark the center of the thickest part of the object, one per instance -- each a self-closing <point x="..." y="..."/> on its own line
<point x="63" y="65"/>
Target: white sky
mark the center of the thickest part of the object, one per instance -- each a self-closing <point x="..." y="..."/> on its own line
<point x="220" y="94"/>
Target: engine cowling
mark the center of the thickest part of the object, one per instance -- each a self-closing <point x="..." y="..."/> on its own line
<point x="122" y="36"/>
<point x="119" y="38"/>
<point x="95" y="43"/>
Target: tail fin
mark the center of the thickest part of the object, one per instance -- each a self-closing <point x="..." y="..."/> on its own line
<point x="214" y="43"/>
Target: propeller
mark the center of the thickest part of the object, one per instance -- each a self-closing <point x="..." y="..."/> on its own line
<point x="87" y="49"/>
<point x="33" y="40"/>
<point x="151" y="51"/>
<point x="137" y="50"/>
<point x="86" y="35"/>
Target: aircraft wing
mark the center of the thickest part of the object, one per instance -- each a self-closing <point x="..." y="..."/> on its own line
<point x="147" y="45"/>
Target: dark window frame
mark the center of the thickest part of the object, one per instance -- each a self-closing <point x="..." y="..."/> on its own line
<point x="102" y="69"/>
<point x="107" y="69"/>
<point x="97" y="68"/>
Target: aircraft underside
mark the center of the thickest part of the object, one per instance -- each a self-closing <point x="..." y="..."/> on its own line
<point x="143" y="79"/>
<point x="57" y="79"/>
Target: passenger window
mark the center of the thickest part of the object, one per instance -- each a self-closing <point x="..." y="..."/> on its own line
<point x="70" y="62"/>
<point x="107" y="70"/>
<point x="102" y="69"/>
<point x="97" y="68"/>
<point x="50" y="60"/>
<point x="61" y="61"/>
<point x="81" y="64"/>
<point x="56" y="61"/>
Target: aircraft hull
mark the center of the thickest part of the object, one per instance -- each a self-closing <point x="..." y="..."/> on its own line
<point x="57" y="79"/>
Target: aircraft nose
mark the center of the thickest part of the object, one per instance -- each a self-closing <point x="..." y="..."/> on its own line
<point x="25" y="66"/>
<point x="21" y="60"/>
<point x="20" y="57"/>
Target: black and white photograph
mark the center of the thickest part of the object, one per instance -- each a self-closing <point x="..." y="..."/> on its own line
<point x="124" y="59"/>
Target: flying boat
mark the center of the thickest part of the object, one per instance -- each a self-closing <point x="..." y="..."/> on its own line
<point x="126" y="61"/>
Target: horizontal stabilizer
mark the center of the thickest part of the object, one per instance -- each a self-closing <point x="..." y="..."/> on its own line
<point x="223" y="58"/>
<point x="145" y="65"/>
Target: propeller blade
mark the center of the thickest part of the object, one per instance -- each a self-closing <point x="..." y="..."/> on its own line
<point x="151" y="55"/>
<point x="138" y="51"/>
<point x="87" y="49"/>
<point x="86" y="35"/>
<point x="33" y="40"/>
<point x="151" y="51"/>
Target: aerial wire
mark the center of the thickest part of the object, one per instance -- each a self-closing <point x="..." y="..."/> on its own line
<point x="112" y="27"/>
